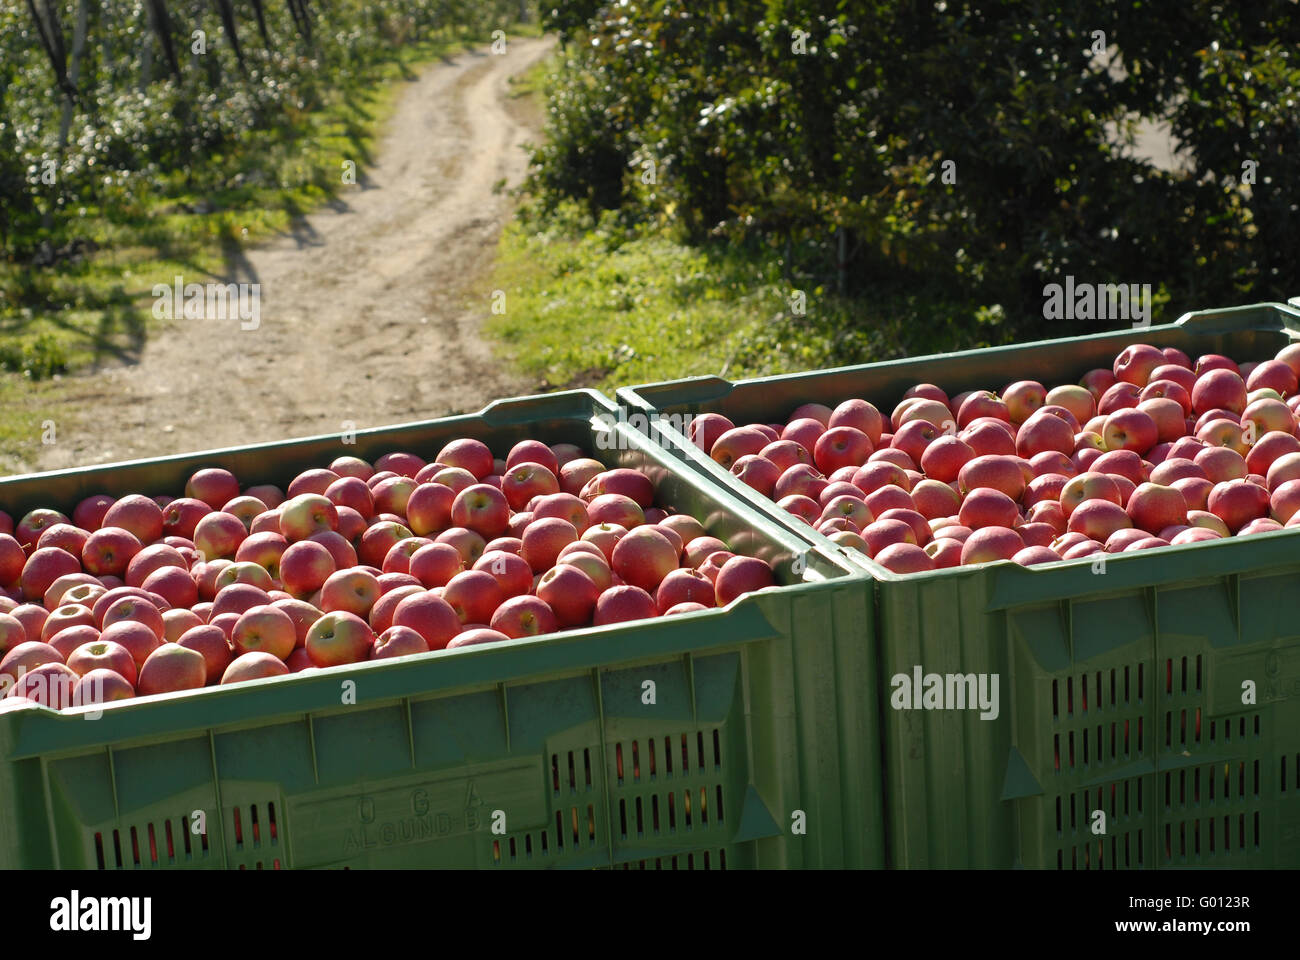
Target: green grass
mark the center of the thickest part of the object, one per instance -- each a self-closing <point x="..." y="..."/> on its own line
<point x="608" y="308"/>
<point x="95" y="306"/>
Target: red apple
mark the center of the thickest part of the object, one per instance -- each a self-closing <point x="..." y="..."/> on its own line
<point x="757" y="472"/>
<point x="614" y="508"/>
<point x="1284" y="468"/>
<point x="1044" y="432"/>
<point x="905" y="558"/>
<point x="543" y="540"/>
<point x="1219" y="388"/>
<point x="1135" y="363"/>
<point x="218" y="535"/>
<point x="882" y="533"/>
<point x="805" y="431"/>
<point x="738" y="442"/>
<point x="1152" y="507"/>
<point x="995" y="472"/>
<point x="42" y="568"/>
<point x="170" y="668"/>
<point x="1121" y="396"/>
<point x="521" y="483"/>
<point x="525" y="616"/>
<point x="1237" y="502"/>
<point x="138" y="515"/>
<point x="69" y="638"/>
<point x="860" y="415"/>
<point x="476" y="636"/>
<point x="1260" y="525"/>
<point x="337" y="638"/>
<point x="340" y="549"/>
<point x="12" y="560"/>
<point x="430" y="616"/>
<point x="944" y="552"/>
<point x="67" y="615"/>
<point x="305" y="566"/>
<point x="351" y="492"/>
<point x="512" y="573"/>
<point x="63" y="536"/>
<point x="474" y="595"/>
<point x="435" y="564"/>
<point x="1221" y="463"/>
<point x="1097" y="519"/>
<point x="89" y="512"/>
<point x="483" y="508"/>
<point x="467" y="543"/>
<point x="306" y="514"/>
<point x="380" y="617"/>
<point x="840" y="447"/>
<point x="576" y="474"/>
<point x="101" y="654"/>
<point x="138" y="638"/>
<point x="398" y="642"/>
<point x="1175" y="468"/>
<point x="34" y="523"/>
<point x="378" y="540"/>
<point x="1098" y="381"/>
<point x="213" y="486"/>
<point x="1130" y="429"/>
<point x="50" y="684"/>
<point x="245" y="572"/>
<point x="642" y="558"/>
<point x="354" y="591"/>
<point x="632" y="484"/>
<point x="1273" y="374"/>
<point x="1023" y="399"/>
<point x="570" y="593"/>
<point x="1035" y="554"/>
<point x="990" y="544"/>
<point x="211" y="643"/>
<point x="400" y="462"/>
<point x="428" y="510"/>
<point x="685" y="586"/>
<point x="1268" y="449"/>
<point x="13" y="632"/>
<point x="623" y="603"/>
<point x="264" y="628"/>
<point x="398" y="558"/>
<point x="254" y="666"/>
<point x="467" y="454"/>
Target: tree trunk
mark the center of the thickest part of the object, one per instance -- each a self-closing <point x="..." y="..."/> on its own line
<point x="162" y="26"/>
<point x="146" y="60"/>
<point x="74" y="72"/>
<point x="229" y="26"/>
<point x="51" y="34"/>
<point x="260" y="13"/>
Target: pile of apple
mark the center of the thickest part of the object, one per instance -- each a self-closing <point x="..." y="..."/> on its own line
<point x="357" y="561"/>
<point x="1155" y="451"/>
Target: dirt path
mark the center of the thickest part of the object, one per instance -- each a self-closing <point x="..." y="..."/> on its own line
<point x="363" y="306"/>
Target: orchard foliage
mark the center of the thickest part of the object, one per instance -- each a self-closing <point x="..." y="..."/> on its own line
<point x="978" y="148"/>
<point x="104" y="101"/>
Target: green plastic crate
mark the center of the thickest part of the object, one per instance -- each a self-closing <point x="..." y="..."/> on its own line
<point x="758" y="714"/>
<point x="1156" y="642"/>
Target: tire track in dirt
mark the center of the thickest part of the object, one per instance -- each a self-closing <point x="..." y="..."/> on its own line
<point x="363" y="303"/>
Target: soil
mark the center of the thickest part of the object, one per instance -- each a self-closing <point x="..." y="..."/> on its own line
<point x="370" y="308"/>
